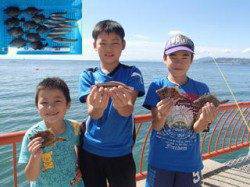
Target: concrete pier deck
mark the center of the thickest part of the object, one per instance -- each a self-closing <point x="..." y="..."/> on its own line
<point x="234" y="173"/>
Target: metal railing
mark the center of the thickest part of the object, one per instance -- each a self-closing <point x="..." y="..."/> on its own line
<point x="229" y="132"/>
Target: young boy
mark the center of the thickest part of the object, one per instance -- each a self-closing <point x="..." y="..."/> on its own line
<point x="106" y="153"/>
<point x="54" y="165"/>
<point x="174" y="155"/>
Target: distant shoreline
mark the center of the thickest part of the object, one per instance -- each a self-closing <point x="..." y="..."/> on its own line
<point x="224" y="60"/>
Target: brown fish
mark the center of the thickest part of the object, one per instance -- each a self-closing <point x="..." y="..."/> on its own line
<point x="12" y="11"/>
<point x="169" y="92"/>
<point x="48" y="137"/>
<point x="201" y="101"/>
<point x="109" y="84"/>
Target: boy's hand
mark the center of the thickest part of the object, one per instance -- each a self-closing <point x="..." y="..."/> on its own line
<point x="207" y="115"/>
<point x="121" y="96"/>
<point x="123" y="99"/>
<point x="165" y="106"/>
<point x="97" y="101"/>
<point x="35" y="147"/>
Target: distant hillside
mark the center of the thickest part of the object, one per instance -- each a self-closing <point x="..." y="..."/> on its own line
<point x="224" y="60"/>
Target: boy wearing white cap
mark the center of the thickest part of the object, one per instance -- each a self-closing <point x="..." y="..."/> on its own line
<point x="174" y="154"/>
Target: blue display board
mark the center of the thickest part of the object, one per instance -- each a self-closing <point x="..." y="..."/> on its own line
<point x="41" y="26"/>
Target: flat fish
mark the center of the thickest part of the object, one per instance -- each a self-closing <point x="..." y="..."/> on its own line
<point x="33" y="37"/>
<point x="109" y="84"/>
<point x="52" y="36"/>
<point x="12" y="11"/>
<point x="49" y="138"/>
<point x="38" y="18"/>
<point x="32" y="10"/>
<point x="169" y="92"/>
<point x="42" y="29"/>
<point x="63" y="25"/>
<point x="30" y="25"/>
<point x="18" y="42"/>
<point x="38" y="45"/>
<point x="201" y="101"/>
<point x="13" y="22"/>
<point x="16" y="31"/>
<point x="64" y="40"/>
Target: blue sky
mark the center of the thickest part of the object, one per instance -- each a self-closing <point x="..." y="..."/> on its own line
<point x="219" y="28"/>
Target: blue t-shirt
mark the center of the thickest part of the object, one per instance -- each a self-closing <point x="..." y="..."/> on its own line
<point x="59" y="162"/>
<point x="176" y="146"/>
<point x="111" y="135"/>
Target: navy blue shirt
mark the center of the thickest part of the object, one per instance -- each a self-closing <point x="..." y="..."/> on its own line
<point x="176" y="146"/>
<point x="111" y="135"/>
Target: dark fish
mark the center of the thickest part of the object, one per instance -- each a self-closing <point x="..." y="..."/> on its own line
<point x="38" y="45"/>
<point x="63" y="40"/>
<point x="18" y="42"/>
<point x="55" y="21"/>
<point x="42" y="29"/>
<point x="33" y="37"/>
<point x="16" y="31"/>
<point x="38" y="18"/>
<point x="53" y="36"/>
<point x="13" y="22"/>
<point x="59" y="29"/>
<point x="32" y="10"/>
<point x="49" y="138"/>
<point x="109" y="84"/>
<point x="59" y="32"/>
<point x="64" y="19"/>
<point x="200" y="102"/>
<point x="58" y="14"/>
<point x="12" y="11"/>
<point x="30" y="25"/>
<point x="50" y="25"/>
<point x="62" y="25"/>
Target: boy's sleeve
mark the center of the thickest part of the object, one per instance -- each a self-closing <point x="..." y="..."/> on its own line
<point x="136" y="81"/>
<point x="152" y="98"/>
<point x="85" y="83"/>
<point x="24" y="153"/>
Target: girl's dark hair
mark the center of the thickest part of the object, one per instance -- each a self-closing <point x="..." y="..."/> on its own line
<point x="108" y="26"/>
<point x="53" y="83"/>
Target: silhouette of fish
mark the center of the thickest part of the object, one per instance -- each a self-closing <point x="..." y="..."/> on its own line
<point x="38" y="18"/>
<point x="63" y="40"/>
<point x="38" y="45"/>
<point x="16" y="31"/>
<point x="30" y="25"/>
<point x="33" y="37"/>
<point x="32" y="10"/>
<point x="12" y="11"/>
<point x="13" y="22"/>
<point x="18" y="42"/>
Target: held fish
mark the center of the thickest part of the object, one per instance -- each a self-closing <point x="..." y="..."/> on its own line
<point x="32" y="10"/>
<point x="49" y="138"/>
<point x="38" y="45"/>
<point x="13" y="22"/>
<point x="33" y="37"/>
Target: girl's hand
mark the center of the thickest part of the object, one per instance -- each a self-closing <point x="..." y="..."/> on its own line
<point x="35" y="147"/>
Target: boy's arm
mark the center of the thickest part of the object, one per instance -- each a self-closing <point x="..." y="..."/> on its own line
<point x="123" y="100"/>
<point x="32" y="169"/>
<point x="206" y="117"/>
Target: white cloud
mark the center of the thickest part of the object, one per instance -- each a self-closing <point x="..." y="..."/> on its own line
<point x="174" y="32"/>
<point x="247" y="50"/>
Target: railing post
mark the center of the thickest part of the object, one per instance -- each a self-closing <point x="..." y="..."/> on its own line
<point x="14" y="164"/>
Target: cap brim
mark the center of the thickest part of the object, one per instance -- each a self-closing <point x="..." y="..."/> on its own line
<point x="179" y="48"/>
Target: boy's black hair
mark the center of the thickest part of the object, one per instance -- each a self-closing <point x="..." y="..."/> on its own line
<point x="108" y="26"/>
<point x="53" y="83"/>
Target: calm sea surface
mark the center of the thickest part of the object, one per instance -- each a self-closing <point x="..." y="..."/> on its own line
<point x="18" y="80"/>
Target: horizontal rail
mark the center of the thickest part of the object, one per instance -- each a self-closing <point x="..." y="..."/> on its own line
<point x="229" y="123"/>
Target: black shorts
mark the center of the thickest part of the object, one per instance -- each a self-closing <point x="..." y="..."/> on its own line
<point x="163" y="178"/>
<point x="97" y="170"/>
